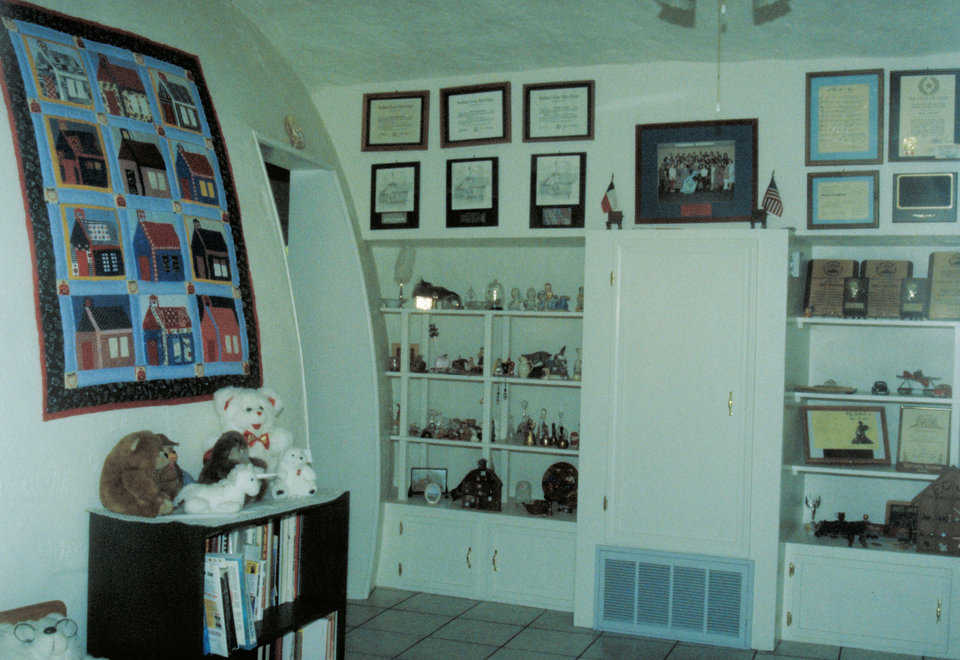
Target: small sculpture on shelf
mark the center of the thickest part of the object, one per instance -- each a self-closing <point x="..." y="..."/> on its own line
<point x="480" y="489"/>
<point x="860" y="530"/>
<point x="579" y="306"/>
<point x="516" y="303"/>
<point x="880" y="388"/>
<point x="925" y="382"/>
<point x="530" y="302"/>
<point x="431" y="296"/>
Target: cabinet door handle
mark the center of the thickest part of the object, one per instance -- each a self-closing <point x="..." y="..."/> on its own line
<point x="469" y="550"/>
<point x="401" y="528"/>
<point x="730" y="404"/>
<point x="495" y="560"/>
<point x="939" y="609"/>
<point x="792" y="569"/>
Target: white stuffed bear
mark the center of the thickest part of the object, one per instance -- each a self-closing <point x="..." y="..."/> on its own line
<point x="254" y="414"/>
<point x="53" y="636"/>
<point x="295" y="477"/>
<point x="226" y="496"/>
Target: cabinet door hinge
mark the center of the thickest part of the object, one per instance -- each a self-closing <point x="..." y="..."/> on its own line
<point x="604" y="502"/>
<point x="789" y="618"/>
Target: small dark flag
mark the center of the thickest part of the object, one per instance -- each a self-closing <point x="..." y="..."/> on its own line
<point x="610" y="201"/>
<point x="771" y="199"/>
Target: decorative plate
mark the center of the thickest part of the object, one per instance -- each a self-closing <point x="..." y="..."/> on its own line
<point x="560" y="484"/>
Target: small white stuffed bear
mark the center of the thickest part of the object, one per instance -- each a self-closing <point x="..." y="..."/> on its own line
<point x="253" y="413"/>
<point x="52" y="636"/>
<point x="295" y="477"/>
<point x="226" y="496"/>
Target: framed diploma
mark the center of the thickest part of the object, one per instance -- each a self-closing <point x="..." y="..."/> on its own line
<point x="395" y="121"/>
<point x="842" y="200"/>
<point x="845" y="435"/>
<point x="477" y="114"/>
<point x="472" y="196"/>
<point x="925" y="115"/>
<point x="558" y="111"/>
<point x="943" y="286"/>
<point x="924" y="439"/>
<point x="557" y="183"/>
<point x="395" y="196"/>
<point x="703" y="171"/>
<point x="844" y="120"/>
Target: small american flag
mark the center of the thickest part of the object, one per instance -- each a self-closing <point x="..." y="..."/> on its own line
<point x="771" y="199"/>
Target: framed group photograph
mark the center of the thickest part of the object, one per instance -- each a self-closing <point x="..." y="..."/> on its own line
<point x="702" y="171"/>
<point x="843" y="200"/>
<point x="925" y="115"/>
<point x="395" y="196"/>
<point x="475" y="114"/>
<point x="395" y="121"/>
<point x="924" y="439"/>
<point x="558" y="111"/>
<point x="472" y="192"/>
<point x="844" y="120"/>
<point x="841" y="435"/>
<point x="557" y="185"/>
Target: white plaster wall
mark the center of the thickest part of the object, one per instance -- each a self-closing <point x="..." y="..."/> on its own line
<point x="51" y="469"/>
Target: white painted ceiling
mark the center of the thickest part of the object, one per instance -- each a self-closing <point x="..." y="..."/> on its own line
<point x="346" y="42"/>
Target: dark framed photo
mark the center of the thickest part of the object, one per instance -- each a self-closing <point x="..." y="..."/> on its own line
<point x="925" y="197"/>
<point x="557" y="183"/>
<point x="844" y="120"/>
<point x="843" y="200"/>
<point x="421" y="477"/>
<point x="395" y="121"/>
<point x="702" y="171"/>
<point x="558" y="111"/>
<point x="395" y="196"/>
<point x="472" y="192"/>
<point x="900" y="520"/>
<point x="841" y="435"/>
<point x="925" y="115"/>
<point x="475" y="114"/>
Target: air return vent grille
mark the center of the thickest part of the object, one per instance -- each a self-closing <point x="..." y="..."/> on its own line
<point x="687" y="597"/>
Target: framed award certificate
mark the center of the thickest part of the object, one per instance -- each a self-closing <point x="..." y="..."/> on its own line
<point x="395" y="121"/>
<point x="842" y="200"/>
<point x="477" y="114"/>
<point x="925" y="115"/>
<point x="558" y="111"/>
<point x="924" y="439"/>
<point x="844" y="117"/>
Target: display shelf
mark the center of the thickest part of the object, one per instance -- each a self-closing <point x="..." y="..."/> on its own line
<point x="873" y="398"/>
<point x="801" y="321"/>
<point x="494" y="446"/>
<point x="511" y="510"/>
<point x="868" y="473"/>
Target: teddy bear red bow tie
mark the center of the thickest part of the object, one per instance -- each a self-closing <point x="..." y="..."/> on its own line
<point x="253" y="438"/>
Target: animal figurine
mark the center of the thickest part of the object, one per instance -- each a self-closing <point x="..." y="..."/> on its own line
<point x="442" y="297"/>
<point x="136" y="478"/>
<point x="295" y="476"/>
<point x="228" y="451"/>
<point x="253" y="413"/>
<point x="227" y="496"/>
<point x="860" y="530"/>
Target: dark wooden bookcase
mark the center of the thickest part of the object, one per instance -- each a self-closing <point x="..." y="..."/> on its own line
<point x="145" y="589"/>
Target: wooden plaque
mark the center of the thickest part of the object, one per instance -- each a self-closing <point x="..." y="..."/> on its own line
<point x="944" y="277"/>
<point x="824" y="295"/>
<point x="885" y="279"/>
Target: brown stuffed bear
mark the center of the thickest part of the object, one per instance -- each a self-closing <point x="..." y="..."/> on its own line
<point x="136" y="476"/>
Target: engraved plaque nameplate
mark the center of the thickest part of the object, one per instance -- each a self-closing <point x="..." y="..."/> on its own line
<point x="824" y="295"/>
<point x="884" y="280"/>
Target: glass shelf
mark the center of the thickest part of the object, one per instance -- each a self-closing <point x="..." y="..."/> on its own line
<point x="873" y="472"/>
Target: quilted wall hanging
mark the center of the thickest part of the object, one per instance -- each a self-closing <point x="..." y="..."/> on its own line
<point x="142" y="286"/>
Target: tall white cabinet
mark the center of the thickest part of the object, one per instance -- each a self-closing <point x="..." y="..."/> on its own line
<point x="683" y="402"/>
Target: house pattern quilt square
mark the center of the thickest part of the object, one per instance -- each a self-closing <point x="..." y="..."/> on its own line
<point x="142" y="287"/>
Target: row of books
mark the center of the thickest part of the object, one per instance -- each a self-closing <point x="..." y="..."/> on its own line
<point x="317" y="641"/>
<point x="247" y="571"/>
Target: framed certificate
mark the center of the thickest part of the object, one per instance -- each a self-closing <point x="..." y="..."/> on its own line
<point x="844" y="120"/>
<point x="556" y="190"/>
<point x="925" y="115"/>
<point x="395" y="196"/>
<point x="477" y="114"/>
<point x="842" y="200"/>
<point x="472" y="192"/>
<point x="924" y="439"/>
<point x="845" y="435"/>
<point x="395" y="121"/>
<point x="558" y="111"/>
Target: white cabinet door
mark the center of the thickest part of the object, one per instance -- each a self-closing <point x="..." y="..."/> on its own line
<point x="886" y="606"/>
<point x="679" y="455"/>
<point x="531" y="566"/>
<point x="435" y="554"/>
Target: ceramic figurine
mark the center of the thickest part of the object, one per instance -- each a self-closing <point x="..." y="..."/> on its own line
<point x="578" y="365"/>
<point x="530" y="304"/>
<point x="580" y="300"/>
<point x="516" y="303"/>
